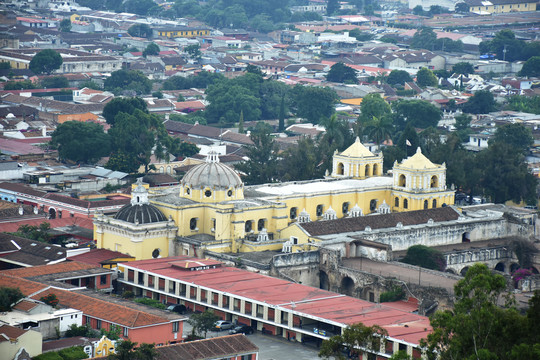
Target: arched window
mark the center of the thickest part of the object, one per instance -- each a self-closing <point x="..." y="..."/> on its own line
<point x="340" y="169"/>
<point x="373" y="205"/>
<point x="375" y="169"/>
<point x="396" y="202"/>
<point x="434" y="203"/>
<point x="261" y="224"/>
<point x="193" y="224"/>
<point x="405" y="204"/>
<point x="319" y="210"/>
<point x="293" y="213"/>
<point x="367" y="170"/>
<point x="345" y="208"/>
<point x="248" y="226"/>
<point x="425" y="204"/>
<point x="434" y="181"/>
<point x="402" y="180"/>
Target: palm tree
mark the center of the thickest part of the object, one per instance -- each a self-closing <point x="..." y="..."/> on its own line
<point x="380" y="129"/>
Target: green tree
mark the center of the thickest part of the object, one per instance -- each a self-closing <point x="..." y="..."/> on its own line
<point x="398" y="77"/>
<point x="81" y="142"/>
<point x="128" y="80"/>
<point x="341" y="73"/>
<point x="417" y="113"/>
<point x="128" y="350"/>
<point x="262" y="155"/>
<point x="353" y="339"/>
<point x="380" y="129"/>
<point x="301" y="162"/>
<point x="400" y="355"/>
<point x="4" y="65"/>
<point x="203" y="322"/>
<point x="360" y="35"/>
<point x="530" y="104"/>
<point x="50" y="299"/>
<point x="463" y="67"/>
<point x="462" y="7"/>
<point x="241" y="123"/>
<point x="140" y="30"/>
<point x="313" y="103"/>
<point x="531" y="68"/>
<point x="151" y="49"/>
<point x="194" y="51"/>
<point x="55" y="82"/>
<point x="482" y="102"/>
<point x="418" y="10"/>
<point x="516" y="135"/>
<point x="125" y="105"/>
<point x="8" y="297"/>
<point x="478" y="328"/>
<point x="45" y="62"/>
<point x="281" y="117"/>
<point x="139" y="7"/>
<point x="507" y="47"/>
<point x="39" y="233"/>
<point x="331" y="7"/>
<point x="20" y="85"/>
<point x="425" y="257"/>
<point x="373" y="105"/>
<point x="425" y="77"/>
<point x="424" y="38"/>
<point x="65" y="25"/>
<point x="463" y="122"/>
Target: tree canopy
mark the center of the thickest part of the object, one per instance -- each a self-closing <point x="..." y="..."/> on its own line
<point x="425" y="257"/>
<point x="9" y="296"/>
<point x="353" y="339"/>
<point x="478" y="328"/>
<point x="151" y="49"/>
<point x="341" y="73"/>
<point x="45" y="62"/>
<point x="398" y="77"/>
<point x="463" y="67"/>
<point x="373" y="105"/>
<point x="313" y="103"/>
<point x="531" y="68"/>
<point x="262" y="155"/>
<point x="417" y="113"/>
<point x="65" y="25"/>
<point x="507" y="47"/>
<point x="203" y="322"/>
<point x="81" y="142"/>
<point x="55" y="82"/>
<point x="482" y="102"/>
<point x="125" y="105"/>
<point x="122" y="81"/>
<point x="425" y="77"/>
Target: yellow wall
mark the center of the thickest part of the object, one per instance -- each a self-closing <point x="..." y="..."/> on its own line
<point x="504" y="8"/>
<point x="184" y="34"/>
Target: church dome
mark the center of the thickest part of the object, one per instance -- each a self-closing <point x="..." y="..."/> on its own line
<point x="212" y="174"/>
<point x="140" y="211"/>
<point x="418" y="161"/>
<point x="140" y="214"/>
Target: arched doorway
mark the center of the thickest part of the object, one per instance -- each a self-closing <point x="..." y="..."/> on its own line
<point x="347" y="286"/>
<point x="402" y="181"/>
<point x="500" y="267"/>
<point x="368" y="171"/>
<point x="466" y="237"/>
<point x="463" y="271"/>
<point x="375" y="169"/>
<point x="52" y="213"/>
<point x="324" y="283"/>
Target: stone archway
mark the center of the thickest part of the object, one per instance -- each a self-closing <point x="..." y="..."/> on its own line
<point x="347" y="286"/>
<point x="463" y="271"/>
<point x="52" y="213"/>
<point x="324" y="282"/>
<point x="466" y="237"/>
<point x="500" y="267"/>
<point x="514" y="267"/>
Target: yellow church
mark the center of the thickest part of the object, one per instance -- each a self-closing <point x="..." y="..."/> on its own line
<point x="212" y="210"/>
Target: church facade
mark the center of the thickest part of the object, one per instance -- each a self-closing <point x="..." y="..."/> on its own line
<point x="212" y="209"/>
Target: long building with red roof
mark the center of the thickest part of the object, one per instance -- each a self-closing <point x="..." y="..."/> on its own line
<point x="268" y="304"/>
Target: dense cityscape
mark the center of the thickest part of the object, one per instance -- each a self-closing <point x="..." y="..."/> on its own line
<point x="295" y="179"/>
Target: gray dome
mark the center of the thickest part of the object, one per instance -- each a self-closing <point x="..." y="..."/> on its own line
<point x="211" y="174"/>
<point x="140" y="214"/>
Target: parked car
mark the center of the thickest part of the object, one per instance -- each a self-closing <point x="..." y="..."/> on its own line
<point x="241" y="329"/>
<point x="179" y="308"/>
<point x="224" y="325"/>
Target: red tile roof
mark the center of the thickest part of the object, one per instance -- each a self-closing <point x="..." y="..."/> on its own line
<point x="215" y="348"/>
<point x="62" y="267"/>
<point x="27" y="287"/>
<point x="312" y="302"/>
<point x="55" y="223"/>
<point x="97" y="257"/>
<point x="10" y="333"/>
<point x="25" y="305"/>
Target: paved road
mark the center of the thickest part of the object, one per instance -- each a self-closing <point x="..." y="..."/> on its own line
<point x="271" y="347"/>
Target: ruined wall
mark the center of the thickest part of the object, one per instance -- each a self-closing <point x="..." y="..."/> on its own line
<point x="301" y="267"/>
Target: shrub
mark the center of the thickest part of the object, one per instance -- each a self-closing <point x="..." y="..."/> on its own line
<point x="425" y="257"/>
<point x="395" y="294"/>
<point x="150" y="302"/>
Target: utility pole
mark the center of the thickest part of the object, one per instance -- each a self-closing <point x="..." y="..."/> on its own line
<point x="504" y="53"/>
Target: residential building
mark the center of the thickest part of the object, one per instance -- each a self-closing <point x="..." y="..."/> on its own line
<point x="16" y="342"/>
<point x="182" y="31"/>
<point x="230" y="347"/>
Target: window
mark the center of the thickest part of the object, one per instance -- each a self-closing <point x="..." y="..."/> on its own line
<point x="293" y="213"/>
<point x="193" y="224"/>
<point x="373" y="205"/>
<point x="229" y="193"/>
<point x="402" y="181"/>
<point x="188" y="191"/>
<point x="88" y="321"/>
<point x="396" y="202"/>
<point x="345" y="208"/>
<point x="434" y="203"/>
<point x="98" y="324"/>
<point x="405" y="204"/>
<point x="208" y="193"/>
<point x="319" y="210"/>
<point x="175" y="326"/>
<point x="126" y="332"/>
<point x="103" y="279"/>
<point x="434" y="182"/>
<point x="260" y="224"/>
<point x="248" y="226"/>
<point x="425" y="204"/>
